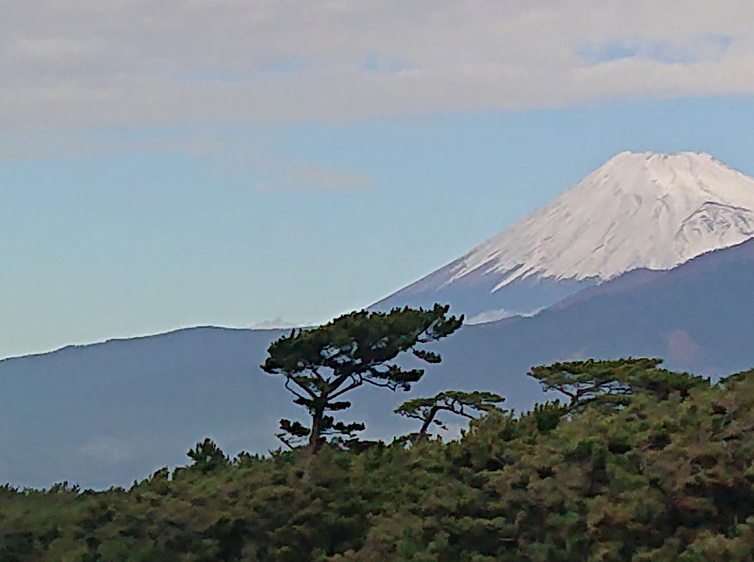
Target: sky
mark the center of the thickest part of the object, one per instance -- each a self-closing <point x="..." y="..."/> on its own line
<point x="261" y="163"/>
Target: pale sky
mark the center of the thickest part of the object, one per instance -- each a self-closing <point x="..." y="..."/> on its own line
<point x="239" y="163"/>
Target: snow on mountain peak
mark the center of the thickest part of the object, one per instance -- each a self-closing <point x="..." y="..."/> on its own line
<point x="647" y="210"/>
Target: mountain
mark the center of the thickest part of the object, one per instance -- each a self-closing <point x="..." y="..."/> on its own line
<point x="652" y="211"/>
<point x="108" y="413"/>
<point x="113" y="412"/>
<point x="698" y="316"/>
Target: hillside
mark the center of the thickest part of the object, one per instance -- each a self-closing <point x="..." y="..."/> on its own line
<point x="112" y="412"/>
<point x="654" y="466"/>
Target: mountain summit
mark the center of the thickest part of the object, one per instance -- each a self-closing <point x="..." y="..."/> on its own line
<point x="645" y="210"/>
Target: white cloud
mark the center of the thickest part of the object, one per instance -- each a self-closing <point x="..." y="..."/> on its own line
<point x="134" y="62"/>
<point x="489" y="316"/>
<point x="682" y="350"/>
<point x="276" y="324"/>
<point x="108" y="450"/>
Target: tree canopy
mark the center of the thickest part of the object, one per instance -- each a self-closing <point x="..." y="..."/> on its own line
<point x="665" y="476"/>
<point x="460" y="403"/>
<point x="321" y="365"/>
<point x="612" y="382"/>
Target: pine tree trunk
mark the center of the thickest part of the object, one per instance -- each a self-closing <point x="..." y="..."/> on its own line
<point x="315" y="433"/>
<point x="428" y="420"/>
<point x="313" y="446"/>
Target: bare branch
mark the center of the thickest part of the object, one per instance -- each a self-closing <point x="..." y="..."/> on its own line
<point x="353" y="385"/>
<point x="284" y="440"/>
<point x="391" y="386"/>
<point x="296" y="394"/>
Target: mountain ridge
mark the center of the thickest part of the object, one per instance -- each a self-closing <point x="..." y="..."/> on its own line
<point x="638" y="210"/>
<point x="111" y="412"/>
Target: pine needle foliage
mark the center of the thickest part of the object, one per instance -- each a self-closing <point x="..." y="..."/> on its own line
<point x="464" y="404"/>
<point x="321" y="365"/>
<point x="611" y="383"/>
<point x="664" y="475"/>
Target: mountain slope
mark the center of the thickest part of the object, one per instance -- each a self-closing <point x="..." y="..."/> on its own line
<point x="110" y="413"/>
<point x="652" y="211"/>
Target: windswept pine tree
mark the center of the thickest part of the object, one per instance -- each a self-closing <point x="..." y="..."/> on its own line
<point x="464" y="404"/>
<point x="323" y="364"/>
<point x="612" y="382"/>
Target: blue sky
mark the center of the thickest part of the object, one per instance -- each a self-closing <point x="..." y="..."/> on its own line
<point x="241" y="184"/>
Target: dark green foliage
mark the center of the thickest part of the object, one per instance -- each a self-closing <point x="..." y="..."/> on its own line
<point x="322" y="364"/>
<point x="454" y="401"/>
<point x="17" y="547"/>
<point x="292" y="433"/>
<point x="547" y="416"/>
<point x="731" y="380"/>
<point x="610" y="383"/>
<point x="207" y="457"/>
<point x="664" y="475"/>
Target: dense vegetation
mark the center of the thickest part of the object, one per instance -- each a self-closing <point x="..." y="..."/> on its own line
<point x="636" y="463"/>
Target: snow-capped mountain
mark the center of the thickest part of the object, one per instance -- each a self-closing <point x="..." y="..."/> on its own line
<point x="646" y="210"/>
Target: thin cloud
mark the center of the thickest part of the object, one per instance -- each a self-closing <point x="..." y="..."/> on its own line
<point x="708" y="47"/>
<point x="58" y="145"/>
<point x="681" y="348"/>
<point x="316" y="178"/>
<point x="108" y="450"/>
<point x="139" y="63"/>
<point x="275" y="324"/>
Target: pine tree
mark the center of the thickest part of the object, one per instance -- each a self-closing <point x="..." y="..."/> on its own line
<point x="453" y="401"/>
<point x="323" y="364"/>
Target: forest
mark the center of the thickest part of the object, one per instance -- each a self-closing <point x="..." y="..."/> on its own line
<point x="627" y="461"/>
